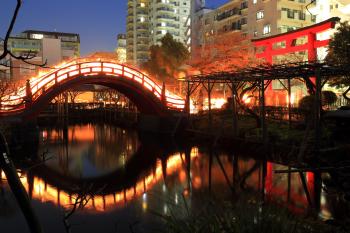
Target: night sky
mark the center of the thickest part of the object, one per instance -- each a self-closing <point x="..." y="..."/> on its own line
<point x="97" y="21"/>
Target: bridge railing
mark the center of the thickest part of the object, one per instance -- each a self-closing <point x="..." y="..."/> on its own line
<point x="86" y="67"/>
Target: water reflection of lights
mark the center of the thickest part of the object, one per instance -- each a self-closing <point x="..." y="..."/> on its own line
<point x="44" y="192"/>
<point x="274" y="186"/>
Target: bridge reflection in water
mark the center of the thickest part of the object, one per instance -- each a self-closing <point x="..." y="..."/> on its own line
<point x="184" y="172"/>
<point x="44" y="192"/>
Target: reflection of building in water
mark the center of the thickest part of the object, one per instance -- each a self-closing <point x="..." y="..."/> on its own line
<point x="187" y="173"/>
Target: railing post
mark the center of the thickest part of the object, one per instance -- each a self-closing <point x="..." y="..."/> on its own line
<point x="163" y="96"/>
<point x="29" y="95"/>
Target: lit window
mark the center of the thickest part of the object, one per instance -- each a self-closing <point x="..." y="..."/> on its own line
<point x="260" y="15"/>
<point x="163" y="32"/>
<point x="142" y="4"/>
<point x="163" y="24"/>
<point x="255" y="1"/>
<point x="267" y="29"/>
<point x="142" y="19"/>
<point x="38" y="36"/>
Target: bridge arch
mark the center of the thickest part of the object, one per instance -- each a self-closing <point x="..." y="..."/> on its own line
<point x="147" y="95"/>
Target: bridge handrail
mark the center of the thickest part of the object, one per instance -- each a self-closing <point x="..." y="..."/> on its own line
<point x="87" y="67"/>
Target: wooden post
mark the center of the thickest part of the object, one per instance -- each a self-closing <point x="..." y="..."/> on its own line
<point x="209" y="105"/>
<point x="17" y="188"/>
<point x="188" y="101"/>
<point x="29" y="95"/>
<point x="262" y="111"/>
<point x="289" y="104"/>
<point x="234" y="111"/>
<point x="210" y="168"/>
<point x="318" y="107"/>
<point x="235" y="171"/>
<point x="163" y="95"/>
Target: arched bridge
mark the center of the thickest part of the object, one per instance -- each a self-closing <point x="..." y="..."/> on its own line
<point x="147" y="95"/>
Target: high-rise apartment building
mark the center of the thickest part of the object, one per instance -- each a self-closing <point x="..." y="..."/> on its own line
<point x="326" y="9"/>
<point x="251" y="18"/>
<point x="121" y="48"/>
<point x="149" y="20"/>
<point x="266" y="18"/>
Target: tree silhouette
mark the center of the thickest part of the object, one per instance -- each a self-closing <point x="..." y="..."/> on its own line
<point x="6" y="52"/>
<point x="166" y="60"/>
<point x="339" y="54"/>
<point x="225" y="52"/>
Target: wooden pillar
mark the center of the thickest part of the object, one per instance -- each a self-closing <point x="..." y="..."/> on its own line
<point x="29" y="95"/>
<point x="210" y="168"/>
<point x="262" y="111"/>
<point x="209" y="105"/>
<point x="17" y="187"/>
<point x="163" y="94"/>
<point x="289" y="184"/>
<point x="318" y="107"/>
<point x="235" y="172"/>
<point x="289" y="104"/>
<point x="188" y="100"/>
<point x="234" y="111"/>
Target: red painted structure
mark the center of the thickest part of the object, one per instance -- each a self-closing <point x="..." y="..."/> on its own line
<point x="270" y="49"/>
<point x="147" y="95"/>
<point x="268" y="44"/>
<point x="290" y="37"/>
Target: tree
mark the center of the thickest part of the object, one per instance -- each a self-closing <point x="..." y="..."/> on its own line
<point x="166" y="60"/>
<point x="339" y="54"/>
<point x="225" y="52"/>
<point x="6" y="53"/>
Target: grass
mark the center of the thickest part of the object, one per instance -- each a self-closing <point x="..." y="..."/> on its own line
<point x="245" y="214"/>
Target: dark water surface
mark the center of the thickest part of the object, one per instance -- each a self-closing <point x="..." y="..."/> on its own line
<point x="124" y="178"/>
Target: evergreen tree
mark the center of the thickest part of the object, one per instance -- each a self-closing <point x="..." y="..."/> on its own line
<point x="339" y="54"/>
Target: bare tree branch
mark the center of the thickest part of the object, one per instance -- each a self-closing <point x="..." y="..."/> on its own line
<point x="6" y="52"/>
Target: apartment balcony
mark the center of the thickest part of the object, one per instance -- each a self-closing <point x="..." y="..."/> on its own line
<point x="142" y="36"/>
<point x="167" y="17"/>
<point x="167" y="25"/>
<point x="161" y="3"/>
<point x="142" y="12"/>
<point x="142" y="28"/>
<point x="166" y="10"/>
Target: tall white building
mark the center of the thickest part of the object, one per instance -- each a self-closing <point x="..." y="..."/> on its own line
<point x="149" y="20"/>
<point x="325" y="9"/>
<point x="121" y="48"/>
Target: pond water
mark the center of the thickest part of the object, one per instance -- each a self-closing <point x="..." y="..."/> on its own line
<point x="123" y="179"/>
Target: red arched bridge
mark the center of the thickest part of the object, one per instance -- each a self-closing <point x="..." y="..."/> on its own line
<point x="147" y="95"/>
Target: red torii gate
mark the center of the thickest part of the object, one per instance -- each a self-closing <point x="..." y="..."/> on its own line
<point x="267" y="44"/>
<point x="289" y="38"/>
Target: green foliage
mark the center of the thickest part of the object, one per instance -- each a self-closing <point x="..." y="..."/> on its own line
<point x="339" y="53"/>
<point x="166" y="59"/>
<point x="328" y="97"/>
<point x="339" y="45"/>
<point x="307" y="103"/>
